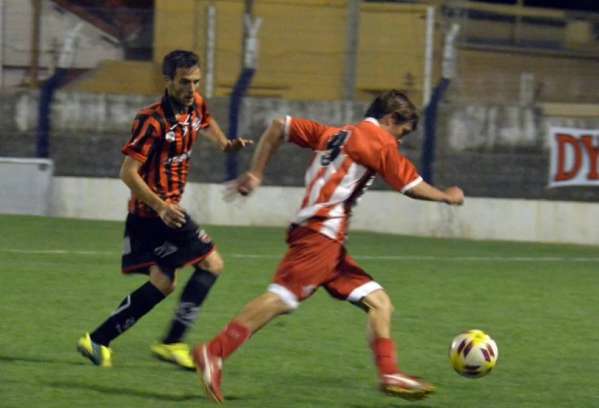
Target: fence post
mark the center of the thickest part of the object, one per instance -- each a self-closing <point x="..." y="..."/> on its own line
<point x="35" y="43"/>
<point x="249" y="63"/>
<point x="428" y="58"/>
<point x="430" y="120"/>
<point x="210" y="50"/>
<point x="1" y="44"/>
<point x="351" y="57"/>
<point x="65" y="61"/>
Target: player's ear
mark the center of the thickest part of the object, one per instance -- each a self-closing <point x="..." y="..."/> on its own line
<point x="387" y="120"/>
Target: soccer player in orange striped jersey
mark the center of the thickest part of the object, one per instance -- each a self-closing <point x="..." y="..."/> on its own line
<point x="345" y="162"/>
<point x="160" y="237"/>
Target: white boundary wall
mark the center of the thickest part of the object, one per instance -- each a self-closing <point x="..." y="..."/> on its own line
<point x="25" y="185"/>
<point x="378" y="211"/>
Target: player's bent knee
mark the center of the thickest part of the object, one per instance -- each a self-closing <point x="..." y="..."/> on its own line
<point x="165" y="287"/>
<point x="162" y="281"/>
<point x="286" y="299"/>
<point x="277" y="304"/>
<point x="389" y="308"/>
<point x="213" y="263"/>
<point x="378" y="301"/>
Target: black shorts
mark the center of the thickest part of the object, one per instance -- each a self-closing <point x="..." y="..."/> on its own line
<point x="149" y="241"/>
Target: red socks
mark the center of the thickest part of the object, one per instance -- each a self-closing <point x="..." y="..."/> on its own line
<point x="236" y="334"/>
<point x="384" y="355"/>
<point x="229" y="340"/>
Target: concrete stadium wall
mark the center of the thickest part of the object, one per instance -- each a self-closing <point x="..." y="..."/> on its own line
<point x="88" y="131"/>
<point x="490" y="150"/>
<point x="25" y="185"/>
<point x="502" y="150"/>
<point x="378" y="211"/>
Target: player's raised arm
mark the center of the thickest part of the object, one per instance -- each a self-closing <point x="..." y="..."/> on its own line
<point x="269" y="143"/>
<point x="216" y="135"/>
<point x="424" y="191"/>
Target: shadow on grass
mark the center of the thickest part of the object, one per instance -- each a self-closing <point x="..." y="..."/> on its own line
<point x="122" y="391"/>
<point x="22" y="359"/>
<point x="103" y="388"/>
<point x="131" y="392"/>
<point x="394" y="404"/>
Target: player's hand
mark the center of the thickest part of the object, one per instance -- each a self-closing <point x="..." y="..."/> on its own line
<point x="172" y="214"/>
<point x="237" y="144"/>
<point x="247" y="183"/>
<point x="243" y="185"/>
<point x="455" y="195"/>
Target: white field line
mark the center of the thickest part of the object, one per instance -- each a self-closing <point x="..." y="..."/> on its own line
<point x="407" y="258"/>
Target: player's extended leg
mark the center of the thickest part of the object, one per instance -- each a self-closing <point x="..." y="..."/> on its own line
<point x="133" y="307"/>
<point x="307" y="263"/>
<point x="172" y="348"/>
<point x="209" y="357"/>
<point x="392" y="380"/>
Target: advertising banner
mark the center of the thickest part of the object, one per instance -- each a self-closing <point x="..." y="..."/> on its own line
<point x="574" y="157"/>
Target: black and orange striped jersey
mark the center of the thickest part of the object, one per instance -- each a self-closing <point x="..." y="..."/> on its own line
<point x="162" y="140"/>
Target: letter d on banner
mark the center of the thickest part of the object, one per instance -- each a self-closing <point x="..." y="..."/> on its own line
<point x="568" y="150"/>
<point x="574" y="157"/>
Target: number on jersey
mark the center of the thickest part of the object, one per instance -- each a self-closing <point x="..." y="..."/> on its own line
<point x="334" y="148"/>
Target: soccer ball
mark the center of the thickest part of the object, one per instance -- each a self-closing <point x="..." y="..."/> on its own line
<point x="473" y="354"/>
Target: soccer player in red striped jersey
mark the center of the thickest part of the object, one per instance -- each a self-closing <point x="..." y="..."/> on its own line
<point x="160" y="237"/>
<point x="345" y="161"/>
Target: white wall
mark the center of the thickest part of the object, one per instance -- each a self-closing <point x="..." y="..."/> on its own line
<point x="378" y="211"/>
<point x="25" y="185"/>
<point x="486" y="126"/>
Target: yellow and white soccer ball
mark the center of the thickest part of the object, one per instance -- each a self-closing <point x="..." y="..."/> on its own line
<point x="473" y="353"/>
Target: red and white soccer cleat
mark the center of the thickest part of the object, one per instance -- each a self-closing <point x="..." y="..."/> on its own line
<point x="209" y="369"/>
<point x="405" y="386"/>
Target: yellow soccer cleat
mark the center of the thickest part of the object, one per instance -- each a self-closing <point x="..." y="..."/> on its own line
<point x="176" y="353"/>
<point x="98" y="354"/>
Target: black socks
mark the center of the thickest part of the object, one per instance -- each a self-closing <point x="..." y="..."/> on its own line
<point x="194" y="293"/>
<point x="131" y="309"/>
<point x="144" y="298"/>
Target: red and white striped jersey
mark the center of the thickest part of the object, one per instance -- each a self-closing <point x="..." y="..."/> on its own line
<point x="345" y="162"/>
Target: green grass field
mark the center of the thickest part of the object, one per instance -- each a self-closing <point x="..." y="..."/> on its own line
<point x="60" y="278"/>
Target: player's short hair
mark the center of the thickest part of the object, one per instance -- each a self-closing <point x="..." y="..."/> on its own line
<point x="395" y="102"/>
<point x="178" y="59"/>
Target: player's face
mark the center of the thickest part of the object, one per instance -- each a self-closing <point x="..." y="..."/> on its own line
<point x="397" y="128"/>
<point x="184" y="84"/>
<point x="403" y="129"/>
